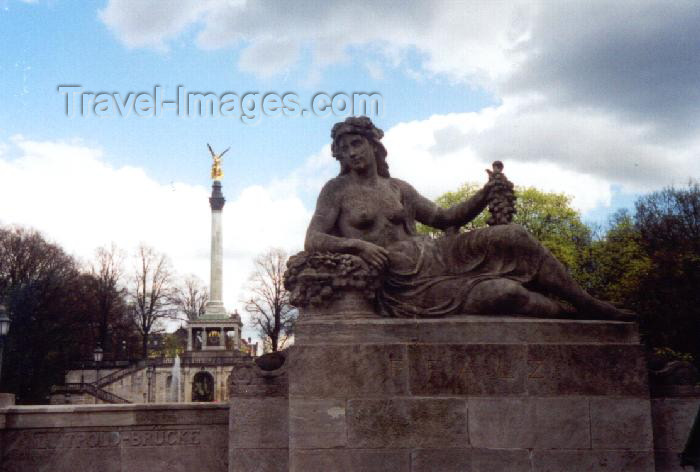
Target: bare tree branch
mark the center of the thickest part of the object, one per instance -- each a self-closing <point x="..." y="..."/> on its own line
<point x="151" y="292"/>
<point x="191" y="297"/>
<point x="268" y="305"/>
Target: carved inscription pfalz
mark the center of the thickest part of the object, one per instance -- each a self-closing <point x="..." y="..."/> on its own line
<point x="396" y="366"/>
<point x="535" y="370"/>
<point x="468" y="369"/>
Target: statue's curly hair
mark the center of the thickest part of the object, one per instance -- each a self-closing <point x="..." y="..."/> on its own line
<point x="363" y="126"/>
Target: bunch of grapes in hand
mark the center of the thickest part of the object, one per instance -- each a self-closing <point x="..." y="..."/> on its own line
<point x="501" y="196"/>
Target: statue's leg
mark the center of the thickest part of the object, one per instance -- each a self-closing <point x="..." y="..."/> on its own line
<point x="503" y="296"/>
<point x="553" y="277"/>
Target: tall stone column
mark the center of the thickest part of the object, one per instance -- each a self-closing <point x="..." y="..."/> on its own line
<point x="215" y="306"/>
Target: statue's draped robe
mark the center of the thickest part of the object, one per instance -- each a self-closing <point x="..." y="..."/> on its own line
<point x="434" y="277"/>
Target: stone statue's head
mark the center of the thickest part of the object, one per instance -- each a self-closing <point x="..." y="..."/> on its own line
<point x="363" y="126"/>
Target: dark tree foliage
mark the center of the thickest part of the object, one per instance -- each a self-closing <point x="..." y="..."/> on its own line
<point x="668" y="297"/>
<point x="45" y="295"/>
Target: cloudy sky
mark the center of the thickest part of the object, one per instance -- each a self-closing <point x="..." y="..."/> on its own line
<point x="600" y="100"/>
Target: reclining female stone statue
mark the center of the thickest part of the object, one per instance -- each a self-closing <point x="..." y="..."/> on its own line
<point x="363" y="237"/>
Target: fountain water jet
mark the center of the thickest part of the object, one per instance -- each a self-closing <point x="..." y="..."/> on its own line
<point x="175" y="383"/>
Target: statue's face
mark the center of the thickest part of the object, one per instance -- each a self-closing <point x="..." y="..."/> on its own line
<point x="356" y="152"/>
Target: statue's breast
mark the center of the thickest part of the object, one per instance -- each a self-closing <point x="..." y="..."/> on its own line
<point x="363" y="208"/>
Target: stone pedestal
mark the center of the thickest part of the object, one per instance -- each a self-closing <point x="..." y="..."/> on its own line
<point x="7" y="399"/>
<point x="467" y="394"/>
<point x="259" y="418"/>
<point x="674" y="409"/>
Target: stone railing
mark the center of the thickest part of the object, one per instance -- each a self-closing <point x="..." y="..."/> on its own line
<point x="192" y="361"/>
<point x="119" y="374"/>
<point x="90" y="389"/>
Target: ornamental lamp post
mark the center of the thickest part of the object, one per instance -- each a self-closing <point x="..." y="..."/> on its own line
<point x="4" y="328"/>
<point x="149" y="376"/>
<point x="97" y="357"/>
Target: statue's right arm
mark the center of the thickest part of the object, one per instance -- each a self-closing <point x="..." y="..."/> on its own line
<point x="319" y="235"/>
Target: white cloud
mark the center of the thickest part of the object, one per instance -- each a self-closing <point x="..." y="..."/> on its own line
<point x="415" y="156"/>
<point x="68" y="192"/>
<point x="151" y="23"/>
<point x="580" y="151"/>
<point x="604" y="89"/>
<point x="636" y="59"/>
<point x="584" y="155"/>
<point x="474" y="40"/>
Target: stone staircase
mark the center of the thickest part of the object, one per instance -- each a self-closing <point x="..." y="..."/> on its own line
<point x="120" y="374"/>
<point x="91" y="389"/>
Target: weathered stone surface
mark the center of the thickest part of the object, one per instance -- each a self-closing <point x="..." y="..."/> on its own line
<point x="115" y="449"/>
<point x="7" y="399"/>
<point x="672" y="419"/>
<point x="540" y="423"/>
<point x="19" y="459"/>
<point x="346" y="371"/>
<point x="317" y="423"/>
<point x="467" y="329"/>
<point x="114" y="415"/>
<point x="259" y="423"/>
<point x="489" y="369"/>
<point x="115" y="438"/>
<point x="350" y="460"/>
<point x="247" y="379"/>
<point x="592" y="461"/>
<point x="407" y="422"/>
<point x="470" y="460"/>
<point x="586" y="370"/>
<point x="621" y="423"/>
<point x="537" y="370"/>
<point x="259" y="460"/>
<point x="309" y="332"/>
<point x="42" y="417"/>
<point x="208" y="455"/>
<point x="667" y="461"/>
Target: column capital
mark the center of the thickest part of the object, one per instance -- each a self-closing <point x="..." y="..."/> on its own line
<point x="217" y="200"/>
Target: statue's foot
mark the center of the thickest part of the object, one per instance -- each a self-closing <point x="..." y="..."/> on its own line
<point x="599" y="310"/>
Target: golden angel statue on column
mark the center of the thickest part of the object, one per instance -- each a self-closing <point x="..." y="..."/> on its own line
<point x="216" y="172"/>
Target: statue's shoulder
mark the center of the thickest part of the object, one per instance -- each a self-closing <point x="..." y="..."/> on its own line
<point x="404" y="187"/>
<point x="334" y="188"/>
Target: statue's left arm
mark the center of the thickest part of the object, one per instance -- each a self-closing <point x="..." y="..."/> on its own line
<point x="430" y="214"/>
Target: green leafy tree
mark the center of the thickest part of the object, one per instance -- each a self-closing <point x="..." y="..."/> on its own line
<point x="617" y="262"/>
<point x="548" y="216"/>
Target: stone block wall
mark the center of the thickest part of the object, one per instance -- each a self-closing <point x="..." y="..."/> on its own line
<point x="259" y="419"/>
<point x="672" y="418"/>
<point x="468" y="394"/>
